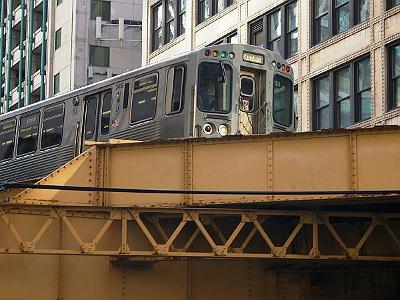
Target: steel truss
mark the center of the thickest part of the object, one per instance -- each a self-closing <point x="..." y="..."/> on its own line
<point x="206" y="233"/>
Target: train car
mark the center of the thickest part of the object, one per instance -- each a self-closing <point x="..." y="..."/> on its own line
<point x="211" y="92"/>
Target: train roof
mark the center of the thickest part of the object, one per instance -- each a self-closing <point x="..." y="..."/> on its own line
<point x="102" y="83"/>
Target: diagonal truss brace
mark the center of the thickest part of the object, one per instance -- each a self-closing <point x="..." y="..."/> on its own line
<point x="231" y="233"/>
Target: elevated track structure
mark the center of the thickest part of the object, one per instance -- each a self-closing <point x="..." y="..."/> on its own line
<point x="281" y="196"/>
<point x="292" y="216"/>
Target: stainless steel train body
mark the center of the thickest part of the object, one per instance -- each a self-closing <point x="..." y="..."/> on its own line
<point x="215" y="91"/>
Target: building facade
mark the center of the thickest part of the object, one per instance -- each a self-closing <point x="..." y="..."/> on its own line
<point x="345" y="53"/>
<point x="53" y="46"/>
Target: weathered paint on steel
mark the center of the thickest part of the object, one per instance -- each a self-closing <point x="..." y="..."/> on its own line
<point x="339" y="160"/>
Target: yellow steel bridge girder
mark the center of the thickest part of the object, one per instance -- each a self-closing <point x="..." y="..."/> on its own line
<point x="362" y="159"/>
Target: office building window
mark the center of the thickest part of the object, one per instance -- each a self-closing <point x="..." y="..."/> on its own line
<point x="331" y="17"/>
<point x="209" y="8"/>
<point x="168" y="21"/>
<point x="230" y="38"/>
<point x="394" y="76"/>
<point x="277" y="30"/>
<point x="342" y="96"/>
<point x="100" y="8"/>
<point x="392" y="3"/>
<point x="59" y="2"/>
<point x="56" y="83"/>
<point x="57" y="39"/>
<point x="99" y="56"/>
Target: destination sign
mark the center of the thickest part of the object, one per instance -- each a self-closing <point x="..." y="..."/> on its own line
<point x="253" y="58"/>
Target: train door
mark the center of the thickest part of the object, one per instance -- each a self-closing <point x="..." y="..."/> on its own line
<point x="96" y="125"/>
<point x="252" y="102"/>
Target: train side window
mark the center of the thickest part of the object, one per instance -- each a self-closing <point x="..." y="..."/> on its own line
<point x="126" y="96"/>
<point x="175" y="90"/>
<point x="7" y="139"/>
<point x="91" y="116"/>
<point x="28" y="134"/>
<point x="52" y="128"/>
<point x="105" y="113"/>
<point x="144" y="99"/>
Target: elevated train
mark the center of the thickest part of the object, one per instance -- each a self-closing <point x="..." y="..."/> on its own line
<point x="211" y="92"/>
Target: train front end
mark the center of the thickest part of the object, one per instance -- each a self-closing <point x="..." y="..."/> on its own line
<point x="242" y="89"/>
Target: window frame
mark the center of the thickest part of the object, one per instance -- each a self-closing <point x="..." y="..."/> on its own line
<point x="56" y="78"/>
<point x="231" y="88"/>
<point x="57" y="41"/>
<point x="182" y="90"/>
<point x="42" y="126"/>
<point x="390" y="105"/>
<point x="333" y="101"/>
<point x="101" y="115"/>
<point x="285" y="32"/>
<point x="140" y="90"/>
<point x="332" y="13"/>
<point x="90" y="60"/>
<point x="38" y="112"/>
<point x="15" y="137"/>
<point x="175" y="20"/>
<point x="226" y="39"/>
<point x="214" y="9"/>
<point x="389" y="4"/>
<point x="94" y="17"/>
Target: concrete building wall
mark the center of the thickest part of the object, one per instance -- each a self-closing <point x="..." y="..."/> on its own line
<point x="68" y="66"/>
<point x="371" y="37"/>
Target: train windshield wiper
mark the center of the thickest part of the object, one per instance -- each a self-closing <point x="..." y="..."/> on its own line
<point x="223" y="70"/>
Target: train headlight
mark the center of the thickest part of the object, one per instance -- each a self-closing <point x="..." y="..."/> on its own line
<point x="208" y="128"/>
<point x="223" y="130"/>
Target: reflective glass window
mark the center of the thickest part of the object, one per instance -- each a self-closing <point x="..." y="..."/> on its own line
<point x="100" y="8"/>
<point x="99" y="56"/>
<point x="91" y="117"/>
<point x="105" y="113"/>
<point x="394" y="76"/>
<point x="342" y="78"/>
<point x="157" y="27"/>
<point x="322" y="102"/>
<point x="214" y="92"/>
<point x="175" y="90"/>
<point x="144" y="99"/>
<point x="7" y="139"/>
<point x="28" y="134"/>
<point x="283" y="100"/>
<point x="52" y="127"/>
<point x="277" y="30"/>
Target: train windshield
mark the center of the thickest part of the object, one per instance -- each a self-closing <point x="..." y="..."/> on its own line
<point x="283" y="100"/>
<point x="214" y="87"/>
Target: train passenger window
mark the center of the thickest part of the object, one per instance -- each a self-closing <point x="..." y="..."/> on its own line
<point x="91" y="116"/>
<point x="126" y="96"/>
<point x="175" y="90"/>
<point x="105" y="113"/>
<point x="28" y="134"/>
<point x="52" y="128"/>
<point x="144" y="99"/>
<point x="7" y="139"/>
<point x="283" y="100"/>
